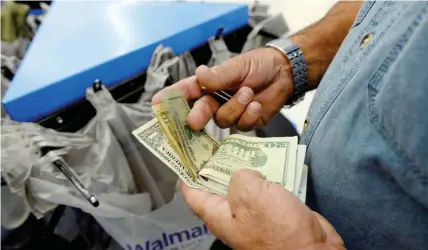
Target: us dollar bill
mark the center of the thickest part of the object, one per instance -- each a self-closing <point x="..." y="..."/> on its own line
<point x="153" y="138"/>
<point x="168" y="129"/>
<point x="198" y="146"/>
<point x="275" y="158"/>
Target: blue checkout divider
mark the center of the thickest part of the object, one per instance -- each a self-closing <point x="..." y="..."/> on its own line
<point x="79" y="42"/>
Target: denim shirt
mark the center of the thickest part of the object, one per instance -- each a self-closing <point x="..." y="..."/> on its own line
<point x="367" y="131"/>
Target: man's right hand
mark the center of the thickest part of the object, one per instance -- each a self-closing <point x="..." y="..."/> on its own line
<point x="261" y="79"/>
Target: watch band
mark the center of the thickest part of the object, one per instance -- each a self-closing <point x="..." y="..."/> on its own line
<point x="298" y="65"/>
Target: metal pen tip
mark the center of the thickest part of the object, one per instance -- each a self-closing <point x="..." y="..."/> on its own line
<point x="221" y="96"/>
<point x="94" y="201"/>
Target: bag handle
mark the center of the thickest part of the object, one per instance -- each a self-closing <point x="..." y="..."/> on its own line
<point x="254" y="36"/>
<point x="219" y="50"/>
<point x="159" y="56"/>
<point x="99" y="97"/>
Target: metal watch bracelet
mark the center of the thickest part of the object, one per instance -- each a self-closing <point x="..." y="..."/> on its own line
<point x="298" y="67"/>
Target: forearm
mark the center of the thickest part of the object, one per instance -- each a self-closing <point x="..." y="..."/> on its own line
<point x="320" y="41"/>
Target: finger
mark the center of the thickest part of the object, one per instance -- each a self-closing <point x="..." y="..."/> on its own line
<point x="189" y="87"/>
<point x="329" y="230"/>
<point x="212" y="209"/>
<point x="203" y="110"/>
<point x="224" y="76"/>
<point x="273" y="98"/>
<point x="230" y="112"/>
<point x="250" y="117"/>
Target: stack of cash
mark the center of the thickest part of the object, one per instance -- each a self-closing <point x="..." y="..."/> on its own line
<point x="203" y="162"/>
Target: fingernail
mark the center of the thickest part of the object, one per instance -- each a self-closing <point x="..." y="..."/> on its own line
<point x="253" y="111"/>
<point x="244" y="97"/>
<point x="156" y="98"/>
<point x="205" y="69"/>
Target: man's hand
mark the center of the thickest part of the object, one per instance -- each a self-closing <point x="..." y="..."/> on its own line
<point x="262" y="79"/>
<point x="260" y="215"/>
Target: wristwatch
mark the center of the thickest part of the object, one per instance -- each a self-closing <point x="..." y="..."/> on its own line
<point x="298" y="67"/>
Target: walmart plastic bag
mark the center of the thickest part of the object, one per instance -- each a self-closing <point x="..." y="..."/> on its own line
<point x="95" y="157"/>
<point x="149" y="175"/>
<point x="172" y="226"/>
<point x="127" y="217"/>
<point x="156" y="74"/>
<point x="220" y="54"/>
<point x="130" y="223"/>
<point x="164" y="66"/>
<point x="258" y="13"/>
<point x="219" y="51"/>
<point x="274" y="25"/>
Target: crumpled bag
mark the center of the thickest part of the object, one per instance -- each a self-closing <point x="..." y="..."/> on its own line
<point x="157" y="74"/>
<point x="159" y="71"/>
<point x="130" y="223"/>
<point x="17" y="210"/>
<point x="258" y="13"/>
<point x="219" y="50"/>
<point x="165" y="66"/>
<point x="10" y="64"/>
<point x="5" y="83"/>
<point x="129" y="218"/>
<point x="274" y="25"/>
<point x="173" y="226"/>
<point x="149" y="175"/>
<point x="220" y="54"/>
<point x="16" y="48"/>
<point x="95" y="157"/>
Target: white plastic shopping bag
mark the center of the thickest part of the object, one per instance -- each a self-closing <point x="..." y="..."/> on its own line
<point x="219" y="54"/>
<point x="94" y="157"/>
<point x="149" y="175"/>
<point x="172" y="226"/>
<point x="129" y="220"/>
<point x="274" y="25"/>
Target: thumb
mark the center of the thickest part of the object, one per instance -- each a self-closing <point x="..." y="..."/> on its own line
<point x="226" y="76"/>
<point x="245" y="187"/>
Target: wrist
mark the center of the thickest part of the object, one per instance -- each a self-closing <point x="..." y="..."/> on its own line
<point x="283" y="70"/>
<point x="316" y="62"/>
<point x="321" y="41"/>
<point x="297" y="63"/>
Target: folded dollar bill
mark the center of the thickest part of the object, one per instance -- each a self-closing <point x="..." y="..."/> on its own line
<point x="205" y="163"/>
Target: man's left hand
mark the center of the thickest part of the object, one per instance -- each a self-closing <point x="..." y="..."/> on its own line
<point x="261" y="215"/>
